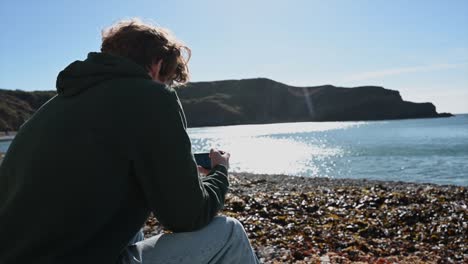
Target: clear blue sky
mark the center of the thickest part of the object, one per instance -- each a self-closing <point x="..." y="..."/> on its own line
<point x="417" y="47"/>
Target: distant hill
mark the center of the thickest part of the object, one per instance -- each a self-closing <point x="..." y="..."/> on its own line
<point x="258" y="101"/>
<point x="254" y="101"/>
<point x="17" y="106"/>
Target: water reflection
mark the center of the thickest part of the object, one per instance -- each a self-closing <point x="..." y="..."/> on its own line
<point x="274" y="148"/>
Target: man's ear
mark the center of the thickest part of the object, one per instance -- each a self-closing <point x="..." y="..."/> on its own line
<point x="154" y="71"/>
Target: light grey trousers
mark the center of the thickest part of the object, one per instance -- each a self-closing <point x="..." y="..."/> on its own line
<point x="222" y="241"/>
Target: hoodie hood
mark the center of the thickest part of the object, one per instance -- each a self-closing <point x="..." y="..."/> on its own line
<point x="97" y="68"/>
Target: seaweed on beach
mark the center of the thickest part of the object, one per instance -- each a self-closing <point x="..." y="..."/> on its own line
<point x="300" y="220"/>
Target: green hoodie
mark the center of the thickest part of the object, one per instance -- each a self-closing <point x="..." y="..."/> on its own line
<point x="83" y="174"/>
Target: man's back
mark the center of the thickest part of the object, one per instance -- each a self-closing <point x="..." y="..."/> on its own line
<point x="66" y="176"/>
<point x="75" y="186"/>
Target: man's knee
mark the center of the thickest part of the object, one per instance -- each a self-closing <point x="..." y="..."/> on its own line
<point x="237" y="240"/>
<point x="225" y="221"/>
<point x="235" y="224"/>
<point x="228" y="227"/>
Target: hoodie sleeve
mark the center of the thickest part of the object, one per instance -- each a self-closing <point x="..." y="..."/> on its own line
<point x="166" y="168"/>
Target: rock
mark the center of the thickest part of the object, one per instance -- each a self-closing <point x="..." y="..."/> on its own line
<point x="237" y="204"/>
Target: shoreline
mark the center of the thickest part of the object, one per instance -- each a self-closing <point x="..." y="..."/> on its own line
<point x="6" y="138"/>
<point x="291" y="219"/>
<point x="314" y="182"/>
<point x="7" y="135"/>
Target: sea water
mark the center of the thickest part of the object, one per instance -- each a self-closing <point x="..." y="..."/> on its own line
<point x="433" y="150"/>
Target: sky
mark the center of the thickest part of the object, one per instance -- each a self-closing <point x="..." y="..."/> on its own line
<point x="418" y="47"/>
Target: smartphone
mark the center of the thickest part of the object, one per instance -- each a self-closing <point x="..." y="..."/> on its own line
<point x="203" y="159"/>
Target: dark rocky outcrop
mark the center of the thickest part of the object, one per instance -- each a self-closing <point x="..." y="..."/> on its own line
<point x="17" y="106"/>
<point x="254" y="101"/>
<point x="257" y="101"/>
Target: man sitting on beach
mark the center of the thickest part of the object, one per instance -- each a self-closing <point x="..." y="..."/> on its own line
<point x="83" y="174"/>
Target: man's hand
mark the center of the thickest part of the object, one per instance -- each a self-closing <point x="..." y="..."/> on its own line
<point x="219" y="157"/>
<point x="202" y="170"/>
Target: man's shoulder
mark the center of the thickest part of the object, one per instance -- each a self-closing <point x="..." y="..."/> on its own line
<point x="145" y="89"/>
<point x="149" y="87"/>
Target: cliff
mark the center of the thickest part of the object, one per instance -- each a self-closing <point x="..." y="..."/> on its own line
<point x="257" y="101"/>
<point x="254" y="101"/>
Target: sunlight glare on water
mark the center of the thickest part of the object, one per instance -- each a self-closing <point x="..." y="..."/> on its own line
<point x="268" y="129"/>
<point x="271" y="148"/>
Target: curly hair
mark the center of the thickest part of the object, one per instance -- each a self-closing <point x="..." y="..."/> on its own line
<point x="146" y="44"/>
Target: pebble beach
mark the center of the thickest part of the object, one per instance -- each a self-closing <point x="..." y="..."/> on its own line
<point x="320" y="220"/>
